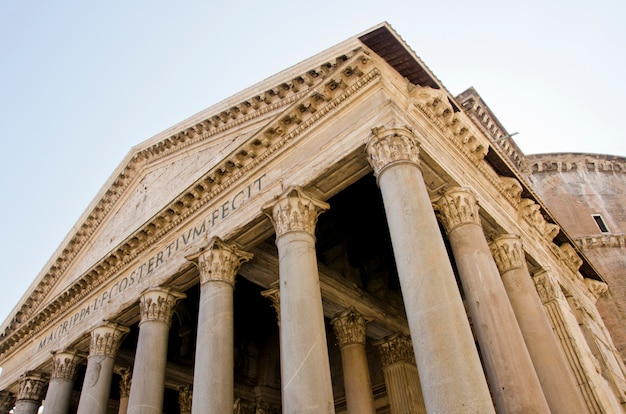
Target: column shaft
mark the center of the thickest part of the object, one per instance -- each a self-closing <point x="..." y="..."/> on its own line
<point x="443" y="343"/>
<point x="555" y="376"/>
<point x="305" y="369"/>
<point x="64" y="366"/>
<point x="105" y="342"/>
<point x="146" y="392"/>
<point x="214" y="364"/>
<point x="349" y="328"/>
<point x="514" y="383"/>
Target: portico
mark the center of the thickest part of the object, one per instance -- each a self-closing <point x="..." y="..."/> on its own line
<point x="329" y="190"/>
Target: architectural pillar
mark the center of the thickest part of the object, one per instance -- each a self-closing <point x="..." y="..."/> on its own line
<point x="214" y="366"/>
<point x="401" y="377"/>
<point x="105" y="342"/>
<point x="442" y="340"/>
<point x="7" y="402"/>
<point x="125" y="382"/>
<point x="64" y="366"/>
<point x="556" y="378"/>
<point x="305" y="369"/>
<point x="30" y="392"/>
<point x="156" y="306"/>
<point x="571" y="340"/>
<point x="185" y="397"/>
<point x="349" y="327"/>
<point x="512" y="377"/>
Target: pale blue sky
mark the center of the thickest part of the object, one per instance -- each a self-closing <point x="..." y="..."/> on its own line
<point x="82" y="82"/>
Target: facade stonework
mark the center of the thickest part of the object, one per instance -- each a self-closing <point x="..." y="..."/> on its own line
<point x="343" y="237"/>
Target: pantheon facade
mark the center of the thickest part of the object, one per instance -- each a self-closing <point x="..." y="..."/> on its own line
<point x="343" y="237"/>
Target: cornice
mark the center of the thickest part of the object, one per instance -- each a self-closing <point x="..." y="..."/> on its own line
<point x="607" y="240"/>
<point x="575" y="162"/>
<point x="315" y="94"/>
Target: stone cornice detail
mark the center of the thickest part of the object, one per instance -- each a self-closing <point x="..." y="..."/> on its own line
<point x="157" y="305"/>
<point x="508" y="252"/>
<point x="530" y="212"/>
<point x="32" y="387"/>
<point x="349" y="327"/>
<point x="597" y="242"/>
<point x="106" y="339"/>
<point x="294" y="210"/>
<point x="548" y="287"/>
<point x="567" y="162"/>
<point x="396" y="349"/>
<point x="458" y="206"/>
<point x="219" y="261"/>
<point x="334" y="83"/>
<point x="390" y="146"/>
<point x="570" y="257"/>
<point x="64" y="365"/>
<point x="595" y="288"/>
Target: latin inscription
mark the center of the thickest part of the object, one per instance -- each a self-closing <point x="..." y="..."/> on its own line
<point x="147" y="268"/>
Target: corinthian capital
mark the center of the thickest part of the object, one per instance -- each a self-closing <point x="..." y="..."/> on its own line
<point x="273" y="294"/>
<point x="106" y="339"/>
<point x="32" y="387"/>
<point x="157" y="304"/>
<point x="185" y="396"/>
<point x="507" y="252"/>
<point x="64" y="364"/>
<point x="294" y="210"/>
<point x="458" y="206"/>
<point x="219" y="261"/>
<point x="7" y="401"/>
<point x="388" y="146"/>
<point x="349" y="327"/>
<point x="395" y="349"/>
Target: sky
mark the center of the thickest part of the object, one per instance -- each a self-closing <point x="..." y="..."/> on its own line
<point x="83" y="82"/>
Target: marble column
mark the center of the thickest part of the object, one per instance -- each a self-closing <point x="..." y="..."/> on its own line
<point x="7" y="402"/>
<point x="214" y="366"/>
<point x="185" y="397"/>
<point x="156" y="306"/>
<point x="59" y="395"/>
<point x="105" y="342"/>
<point x="442" y="340"/>
<point x="125" y="383"/>
<point x="305" y="369"/>
<point x="30" y="392"/>
<point x="556" y="378"/>
<point x="512" y="377"/>
<point x="349" y="328"/>
<point x="401" y="377"/>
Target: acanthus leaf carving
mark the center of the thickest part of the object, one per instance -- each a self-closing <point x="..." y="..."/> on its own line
<point x="349" y="327"/>
<point x="508" y="252"/>
<point x="219" y="261"/>
<point x="387" y="146"/>
<point x="294" y="210"/>
<point x="157" y="304"/>
<point x="458" y="206"/>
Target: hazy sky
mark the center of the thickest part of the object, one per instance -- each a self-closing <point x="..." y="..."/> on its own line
<point x="82" y="82"/>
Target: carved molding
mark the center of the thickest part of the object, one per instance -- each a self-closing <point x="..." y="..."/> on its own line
<point x="513" y="188"/>
<point x="7" y="401"/>
<point x="391" y="146"/>
<point x="562" y="163"/>
<point x="570" y="257"/>
<point x="396" y="349"/>
<point x="530" y="212"/>
<point x="457" y="207"/>
<point x="508" y="252"/>
<point x="126" y="380"/>
<point x="32" y="387"/>
<point x="65" y="364"/>
<point x="106" y="339"/>
<point x="349" y="327"/>
<point x="607" y="240"/>
<point x="157" y="304"/>
<point x="219" y="261"/>
<point x="596" y="288"/>
<point x="294" y="210"/>
<point x="185" y="397"/>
